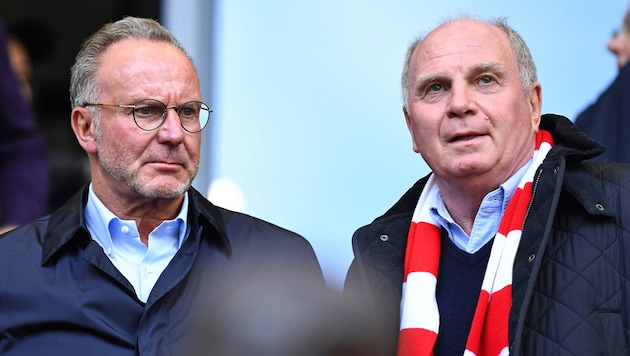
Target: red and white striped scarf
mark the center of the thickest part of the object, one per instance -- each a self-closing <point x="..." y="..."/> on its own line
<point x="420" y="318"/>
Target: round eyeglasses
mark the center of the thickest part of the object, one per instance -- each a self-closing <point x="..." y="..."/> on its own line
<point x="149" y="114"/>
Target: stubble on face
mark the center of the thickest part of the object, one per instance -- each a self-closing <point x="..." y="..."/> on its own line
<point x="116" y="163"/>
<point x="159" y="164"/>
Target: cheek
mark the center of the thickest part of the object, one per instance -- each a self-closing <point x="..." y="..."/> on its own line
<point x="516" y="136"/>
<point x="193" y="147"/>
<point x="426" y="138"/>
<point x="121" y="140"/>
<point x="127" y="143"/>
<point x="423" y="124"/>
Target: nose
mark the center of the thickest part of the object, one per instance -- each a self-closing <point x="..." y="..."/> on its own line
<point x="619" y="45"/>
<point x="461" y="102"/>
<point x="171" y="130"/>
<point x="613" y="43"/>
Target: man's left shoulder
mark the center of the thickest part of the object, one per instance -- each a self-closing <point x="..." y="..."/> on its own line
<point x="241" y="223"/>
<point x="249" y="232"/>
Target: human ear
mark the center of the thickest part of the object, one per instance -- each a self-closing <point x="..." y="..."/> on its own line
<point x="534" y="99"/>
<point x="410" y="127"/>
<point x="83" y="127"/>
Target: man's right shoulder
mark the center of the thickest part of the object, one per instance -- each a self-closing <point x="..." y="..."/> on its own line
<point x="21" y="248"/>
<point x="33" y="231"/>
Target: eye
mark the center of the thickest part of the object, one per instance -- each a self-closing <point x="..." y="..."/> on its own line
<point x="149" y="111"/>
<point x="143" y="111"/>
<point x="486" y="79"/>
<point x="434" y="87"/>
<point x="189" y="111"/>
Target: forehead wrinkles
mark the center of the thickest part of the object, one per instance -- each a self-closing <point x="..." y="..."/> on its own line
<point x="457" y="47"/>
<point x="463" y="36"/>
<point x="128" y="71"/>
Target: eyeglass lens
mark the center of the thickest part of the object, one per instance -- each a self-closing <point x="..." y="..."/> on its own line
<point x="149" y="114"/>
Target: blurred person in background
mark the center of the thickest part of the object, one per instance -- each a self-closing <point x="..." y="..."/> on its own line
<point x="24" y="170"/>
<point x="29" y="43"/>
<point x="607" y="120"/>
<point x="31" y="47"/>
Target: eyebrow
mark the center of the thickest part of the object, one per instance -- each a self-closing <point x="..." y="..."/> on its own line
<point x="494" y="67"/>
<point x="425" y="79"/>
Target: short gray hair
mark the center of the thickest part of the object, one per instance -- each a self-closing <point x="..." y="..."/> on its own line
<point x="524" y="59"/>
<point x="83" y="85"/>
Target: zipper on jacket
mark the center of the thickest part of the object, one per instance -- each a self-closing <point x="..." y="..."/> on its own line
<point x="531" y="200"/>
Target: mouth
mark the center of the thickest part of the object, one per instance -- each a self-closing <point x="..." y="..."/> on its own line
<point x="167" y="161"/>
<point x="467" y="137"/>
<point x="464" y="138"/>
<point x="159" y="161"/>
<point x="166" y="165"/>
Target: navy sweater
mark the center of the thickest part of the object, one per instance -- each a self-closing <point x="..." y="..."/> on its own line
<point x="458" y="287"/>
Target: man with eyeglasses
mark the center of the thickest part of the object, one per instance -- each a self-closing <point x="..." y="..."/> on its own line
<point x="138" y="261"/>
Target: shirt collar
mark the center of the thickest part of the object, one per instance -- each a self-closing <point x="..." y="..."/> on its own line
<point x="492" y="207"/>
<point x="506" y="189"/>
<point x="98" y="218"/>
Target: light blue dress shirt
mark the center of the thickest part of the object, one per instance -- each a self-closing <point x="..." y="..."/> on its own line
<point x="488" y="216"/>
<point x="120" y="240"/>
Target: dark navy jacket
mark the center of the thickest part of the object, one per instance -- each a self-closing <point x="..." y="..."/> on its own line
<point x="61" y="295"/>
<point x="607" y="120"/>
<point x="571" y="276"/>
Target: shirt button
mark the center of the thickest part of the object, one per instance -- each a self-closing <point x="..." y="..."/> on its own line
<point x="149" y="269"/>
<point x="124" y="229"/>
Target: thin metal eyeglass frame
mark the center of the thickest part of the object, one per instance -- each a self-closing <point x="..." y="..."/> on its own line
<point x="176" y="108"/>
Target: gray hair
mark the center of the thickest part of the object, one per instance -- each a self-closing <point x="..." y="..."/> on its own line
<point x="83" y="84"/>
<point x="524" y="59"/>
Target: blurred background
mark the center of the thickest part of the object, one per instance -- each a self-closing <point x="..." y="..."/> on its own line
<point x="307" y="130"/>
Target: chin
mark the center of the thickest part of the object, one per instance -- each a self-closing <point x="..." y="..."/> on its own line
<point x="474" y="166"/>
<point x="168" y="190"/>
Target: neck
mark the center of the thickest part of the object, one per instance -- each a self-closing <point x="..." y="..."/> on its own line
<point x="147" y="213"/>
<point x="463" y="199"/>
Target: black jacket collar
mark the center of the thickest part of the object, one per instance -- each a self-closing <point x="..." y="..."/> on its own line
<point x="68" y="223"/>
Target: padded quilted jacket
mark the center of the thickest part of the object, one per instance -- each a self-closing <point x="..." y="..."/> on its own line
<point x="570" y="280"/>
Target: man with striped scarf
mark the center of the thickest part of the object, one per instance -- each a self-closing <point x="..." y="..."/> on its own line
<point x="514" y="243"/>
